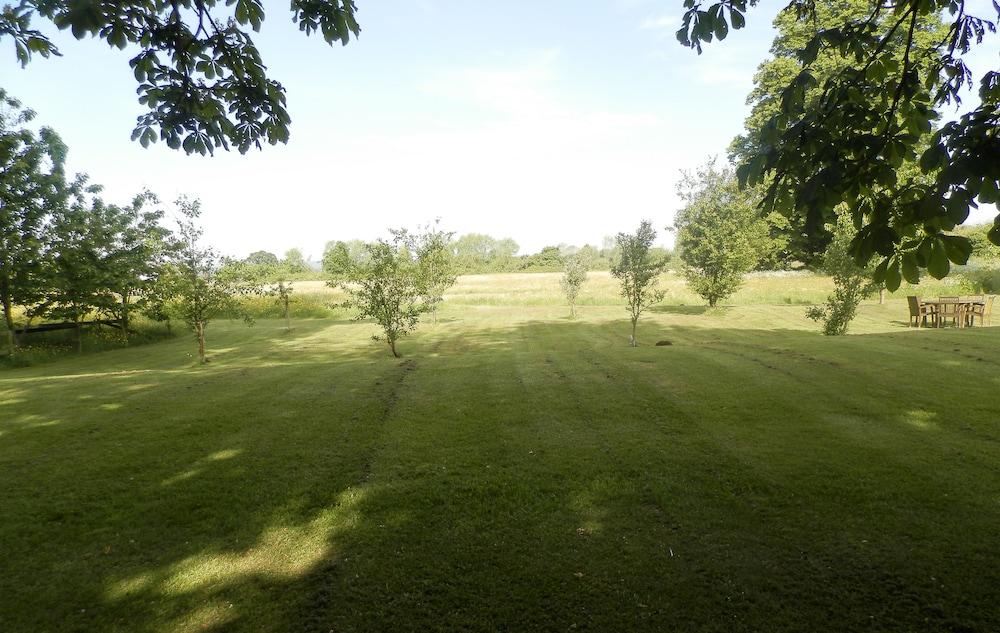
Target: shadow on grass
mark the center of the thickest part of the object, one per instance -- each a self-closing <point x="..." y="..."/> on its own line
<point x="538" y="476"/>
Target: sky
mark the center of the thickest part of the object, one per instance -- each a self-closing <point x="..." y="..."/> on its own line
<point x="548" y="122"/>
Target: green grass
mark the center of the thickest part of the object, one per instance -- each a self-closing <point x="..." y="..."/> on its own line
<point x="517" y="471"/>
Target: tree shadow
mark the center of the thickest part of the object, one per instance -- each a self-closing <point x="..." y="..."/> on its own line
<point x="535" y="475"/>
<point x="688" y="310"/>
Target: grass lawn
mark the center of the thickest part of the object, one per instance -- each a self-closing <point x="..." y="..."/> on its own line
<point x="515" y="471"/>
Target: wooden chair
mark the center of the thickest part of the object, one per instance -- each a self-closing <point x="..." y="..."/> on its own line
<point x="982" y="311"/>
<point x="948" y="311"/>
<point x="971" y="303"/>
<point x="919" y="312"/>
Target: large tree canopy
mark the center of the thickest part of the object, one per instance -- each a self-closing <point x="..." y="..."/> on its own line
<point x="847" y="144"/>
<point x="200" y="74"/>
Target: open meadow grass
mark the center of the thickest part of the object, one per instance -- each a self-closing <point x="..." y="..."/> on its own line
<point x="515" y="471"/>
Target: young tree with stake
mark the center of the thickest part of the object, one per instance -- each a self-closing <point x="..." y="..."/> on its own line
<point x="573" y="277"/>
<point x="637" y="270"/>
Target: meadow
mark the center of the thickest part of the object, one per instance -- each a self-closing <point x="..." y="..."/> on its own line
<point x="516" y="470"/>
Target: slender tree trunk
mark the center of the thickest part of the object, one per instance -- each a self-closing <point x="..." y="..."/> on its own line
<point x="169" y="328"/>
<point x="635" y="343"/>
<point x="125" y="318"/>
<point x="288" y="324"/>
<point x="881" y="295"/>
<point x="392" y="346"/>
<point x="200" y="329"/>
<point x="8" y="317"/>
<point x="79" y="335"/>
<point x="572" y="310"/>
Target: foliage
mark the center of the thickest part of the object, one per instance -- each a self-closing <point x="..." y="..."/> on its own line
<point x="982" y="281"/>
<point x="852" y="284"/>
<point x="719" y="234"/>
<point x="844" y="143"/>
<point x="574" y="275"/>
<point x="431" y="247"/>
<point x="295" y="261"/>
<point x="32" y="184"/>
<point x="340" y="256"/>
<point x="478" y="253"/>
<point x="199" y="72"/>
<point x="261" y="258"/>
<point x="203" y="289"/>
<point x="386" y="287"/>
<point x="550" y="258"/>
<point x="637" y="270"/>
<point x="77" y="277"/>
<point x="982" y="248"/>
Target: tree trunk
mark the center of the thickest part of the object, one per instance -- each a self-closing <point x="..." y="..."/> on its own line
<point x="79" y="335"/>
<point x="572" y="310"/>
<point x="392" y="346"/>
<point x="169" y="330"/>
<point x="288" y="324"/>
<point x="635" y="343"/>
<point x="125" y="318"/>
<point x="881" y="296"/>
<point x="200" y="329"/>
<point x="9" y="320"/>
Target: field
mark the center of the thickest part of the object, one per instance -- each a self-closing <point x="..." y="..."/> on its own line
<point x="515" y="471"/>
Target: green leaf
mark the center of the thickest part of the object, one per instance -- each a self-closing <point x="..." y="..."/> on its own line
<point x="892" y="276"/>
<point x="994" y="233"/>
<point x="938" y="266"/>
<point x="958" y="248"/>
<point x="911" y="272"/>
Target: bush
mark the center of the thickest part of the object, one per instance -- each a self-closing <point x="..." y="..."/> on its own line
<point x="982" y="281"/>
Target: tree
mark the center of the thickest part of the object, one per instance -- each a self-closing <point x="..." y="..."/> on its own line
<point x="719" y="234"/>
<point x="574" y="275"/>
<point x="78" y="280"/>
<point x="386" y="288"/>
<point x="294" y="262"/>
<point x="261" y="258"/>
<point x="201" y="293"/>
<point x="199" y="72"/>
<point x="852" y="284"/>
<point x="136" y="249"/>
<point x="338" y="256"/>
<point x="845" y="145"/>
<point x="32" y="184"/>
<point x="435" y="266"/>
<point x="477" y="253"/>
<point x="637" y="270"/>
<point x="802" y="245"/>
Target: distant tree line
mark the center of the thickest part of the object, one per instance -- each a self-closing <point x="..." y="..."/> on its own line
<point x="477" y="254"/>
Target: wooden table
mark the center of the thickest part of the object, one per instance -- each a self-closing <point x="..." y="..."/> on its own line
<point x="962" y="308"/>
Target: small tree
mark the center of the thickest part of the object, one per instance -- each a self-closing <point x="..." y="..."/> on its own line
<point x="386" y="287"/>
<point x="434" y="260"/>
<point x="638" y="270"/>
<point x="201" y="294"/>
<point x="852" y="284"/>
<point x="573" y="277"/>
<point x="720" y="235"/>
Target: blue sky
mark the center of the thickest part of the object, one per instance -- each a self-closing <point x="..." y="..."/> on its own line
<point x="549" y="122"/>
